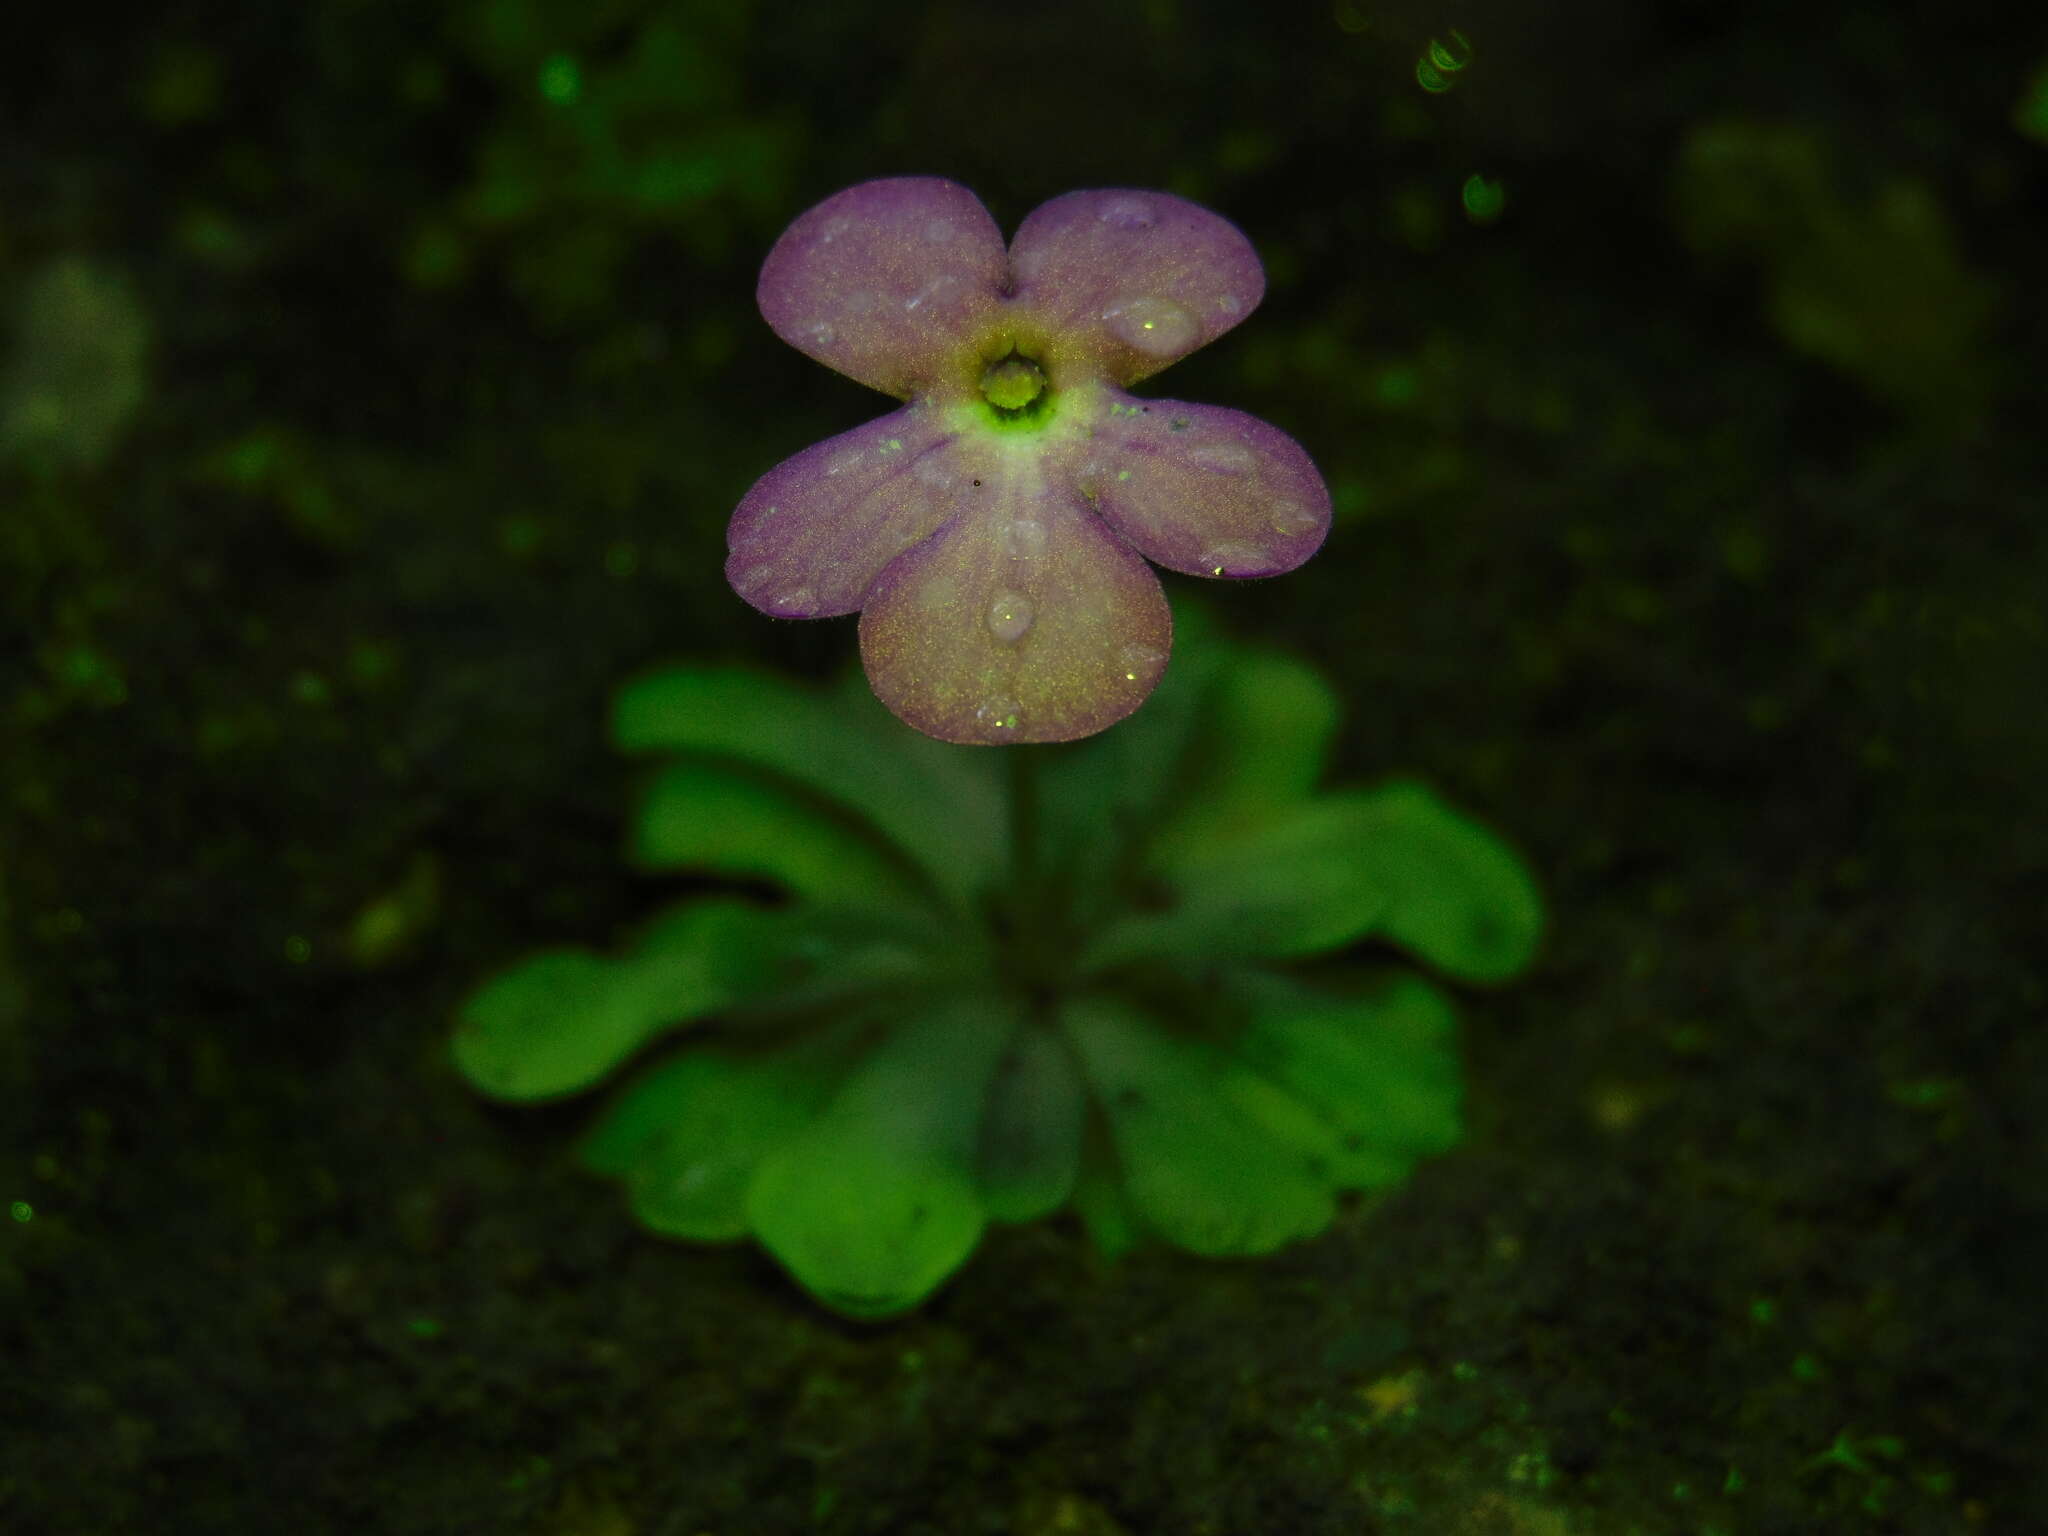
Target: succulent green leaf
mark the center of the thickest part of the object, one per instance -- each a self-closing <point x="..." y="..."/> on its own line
<point x="1197" y="1167"/>
<point x="875" y="1202"/>
<point x="1031" y="1131"/>
<point x="1394" y="862"/>
<point x="561" y="1019"/>
<point x="688" y="1135"/>
<point x="1376" y="1070"/>
<point x="1103" y="1207"/>
<point x="1263" y="740"/>
<point x="723" y="819"/>
<point x="944" y="815"/>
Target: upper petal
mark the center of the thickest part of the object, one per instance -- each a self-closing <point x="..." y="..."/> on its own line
<point x="1130" y="281"/>
<point x="1204" y="489"/>
<point x="884" y="280"/>
<point x="811" y="536"/>
<point x="1023" y="619"/>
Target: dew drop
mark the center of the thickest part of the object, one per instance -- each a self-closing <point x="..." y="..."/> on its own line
<point x="846" y="458"/>
<point x="1154" y="326"/>
<point x="833" y="228"/>
<point x="796" y="603"/>
<point x="820" y="333"/>
<point x="1009" y="617"/>
<point x="1139" y="663"/>
<point x="1224" y="458"/>
<point x="1290" y="519"/>
<point x="1233" y="559"/>
<point x="1128" y="213"/>
<point x="937" y="288"/>
<point x="998" y="713"/>
<point x="1024" y="539"/>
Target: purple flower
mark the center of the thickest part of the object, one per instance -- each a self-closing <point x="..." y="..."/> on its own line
<point x="989" y="533"/>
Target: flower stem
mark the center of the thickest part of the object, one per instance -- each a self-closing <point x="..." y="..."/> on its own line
<point x="1023" y="819"/>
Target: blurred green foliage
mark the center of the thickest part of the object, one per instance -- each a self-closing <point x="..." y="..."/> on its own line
<point x="617" y="119"/>
<point x="78" y="367"/>
<point x="1867" y="279"/>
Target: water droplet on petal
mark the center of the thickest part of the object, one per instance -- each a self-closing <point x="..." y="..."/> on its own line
<point x="1128" y="213"/>
<point x="1224" y="458"/>
<point x="937" y="288"/>
<point x="998" y="713"/>
<point x="1229" y="303"/>
<point x="1024" y="539"/>
<point x="820" y="333"/>
<point x="1140" y="663"/>
<point x="833" y="229"/>
<point x="1009" y="617"/>
<point x="1234" y="559"/>
<point x="1290" y="519"/>
<point x="1156" y="327"/>
<point x="796" y="603"/>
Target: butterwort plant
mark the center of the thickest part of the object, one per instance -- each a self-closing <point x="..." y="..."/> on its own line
<point x="1160" y="977"/>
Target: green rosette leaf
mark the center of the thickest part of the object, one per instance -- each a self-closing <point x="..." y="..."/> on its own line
<point x="1030" y="1145"/>
<point x="1206" y="1160"/>
<point x="1376" y="1069"/>
<point x="561" y="1019"/>
<point x="1393" y="862"/>
<point x="688" y="1135"/>
<point x="727" y="820"/>
<point x="944" y="813"/>
<point x="1262" y="740"/>
<point x="876" y="1201"/>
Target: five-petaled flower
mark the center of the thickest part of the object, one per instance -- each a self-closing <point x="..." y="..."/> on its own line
<point x="989" y="532"/>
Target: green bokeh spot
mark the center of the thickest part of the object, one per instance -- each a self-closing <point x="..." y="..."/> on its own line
<point x="561" y="80"/>
<point x="2031" y="115"/>
<point x="1483" y="199"/>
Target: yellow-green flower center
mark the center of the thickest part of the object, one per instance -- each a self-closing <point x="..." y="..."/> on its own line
<point x="1013" y="383"/>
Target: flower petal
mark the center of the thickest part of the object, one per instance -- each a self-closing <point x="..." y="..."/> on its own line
<point x="811" y="536"/>
<point x="882" y="281"/>
<point x="1023" y="619"/>
<point x="1204" y="489"/>
<point x="1130" y="281"/>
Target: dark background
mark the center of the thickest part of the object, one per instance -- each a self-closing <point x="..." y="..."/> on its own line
<point x="377" y="381"/>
